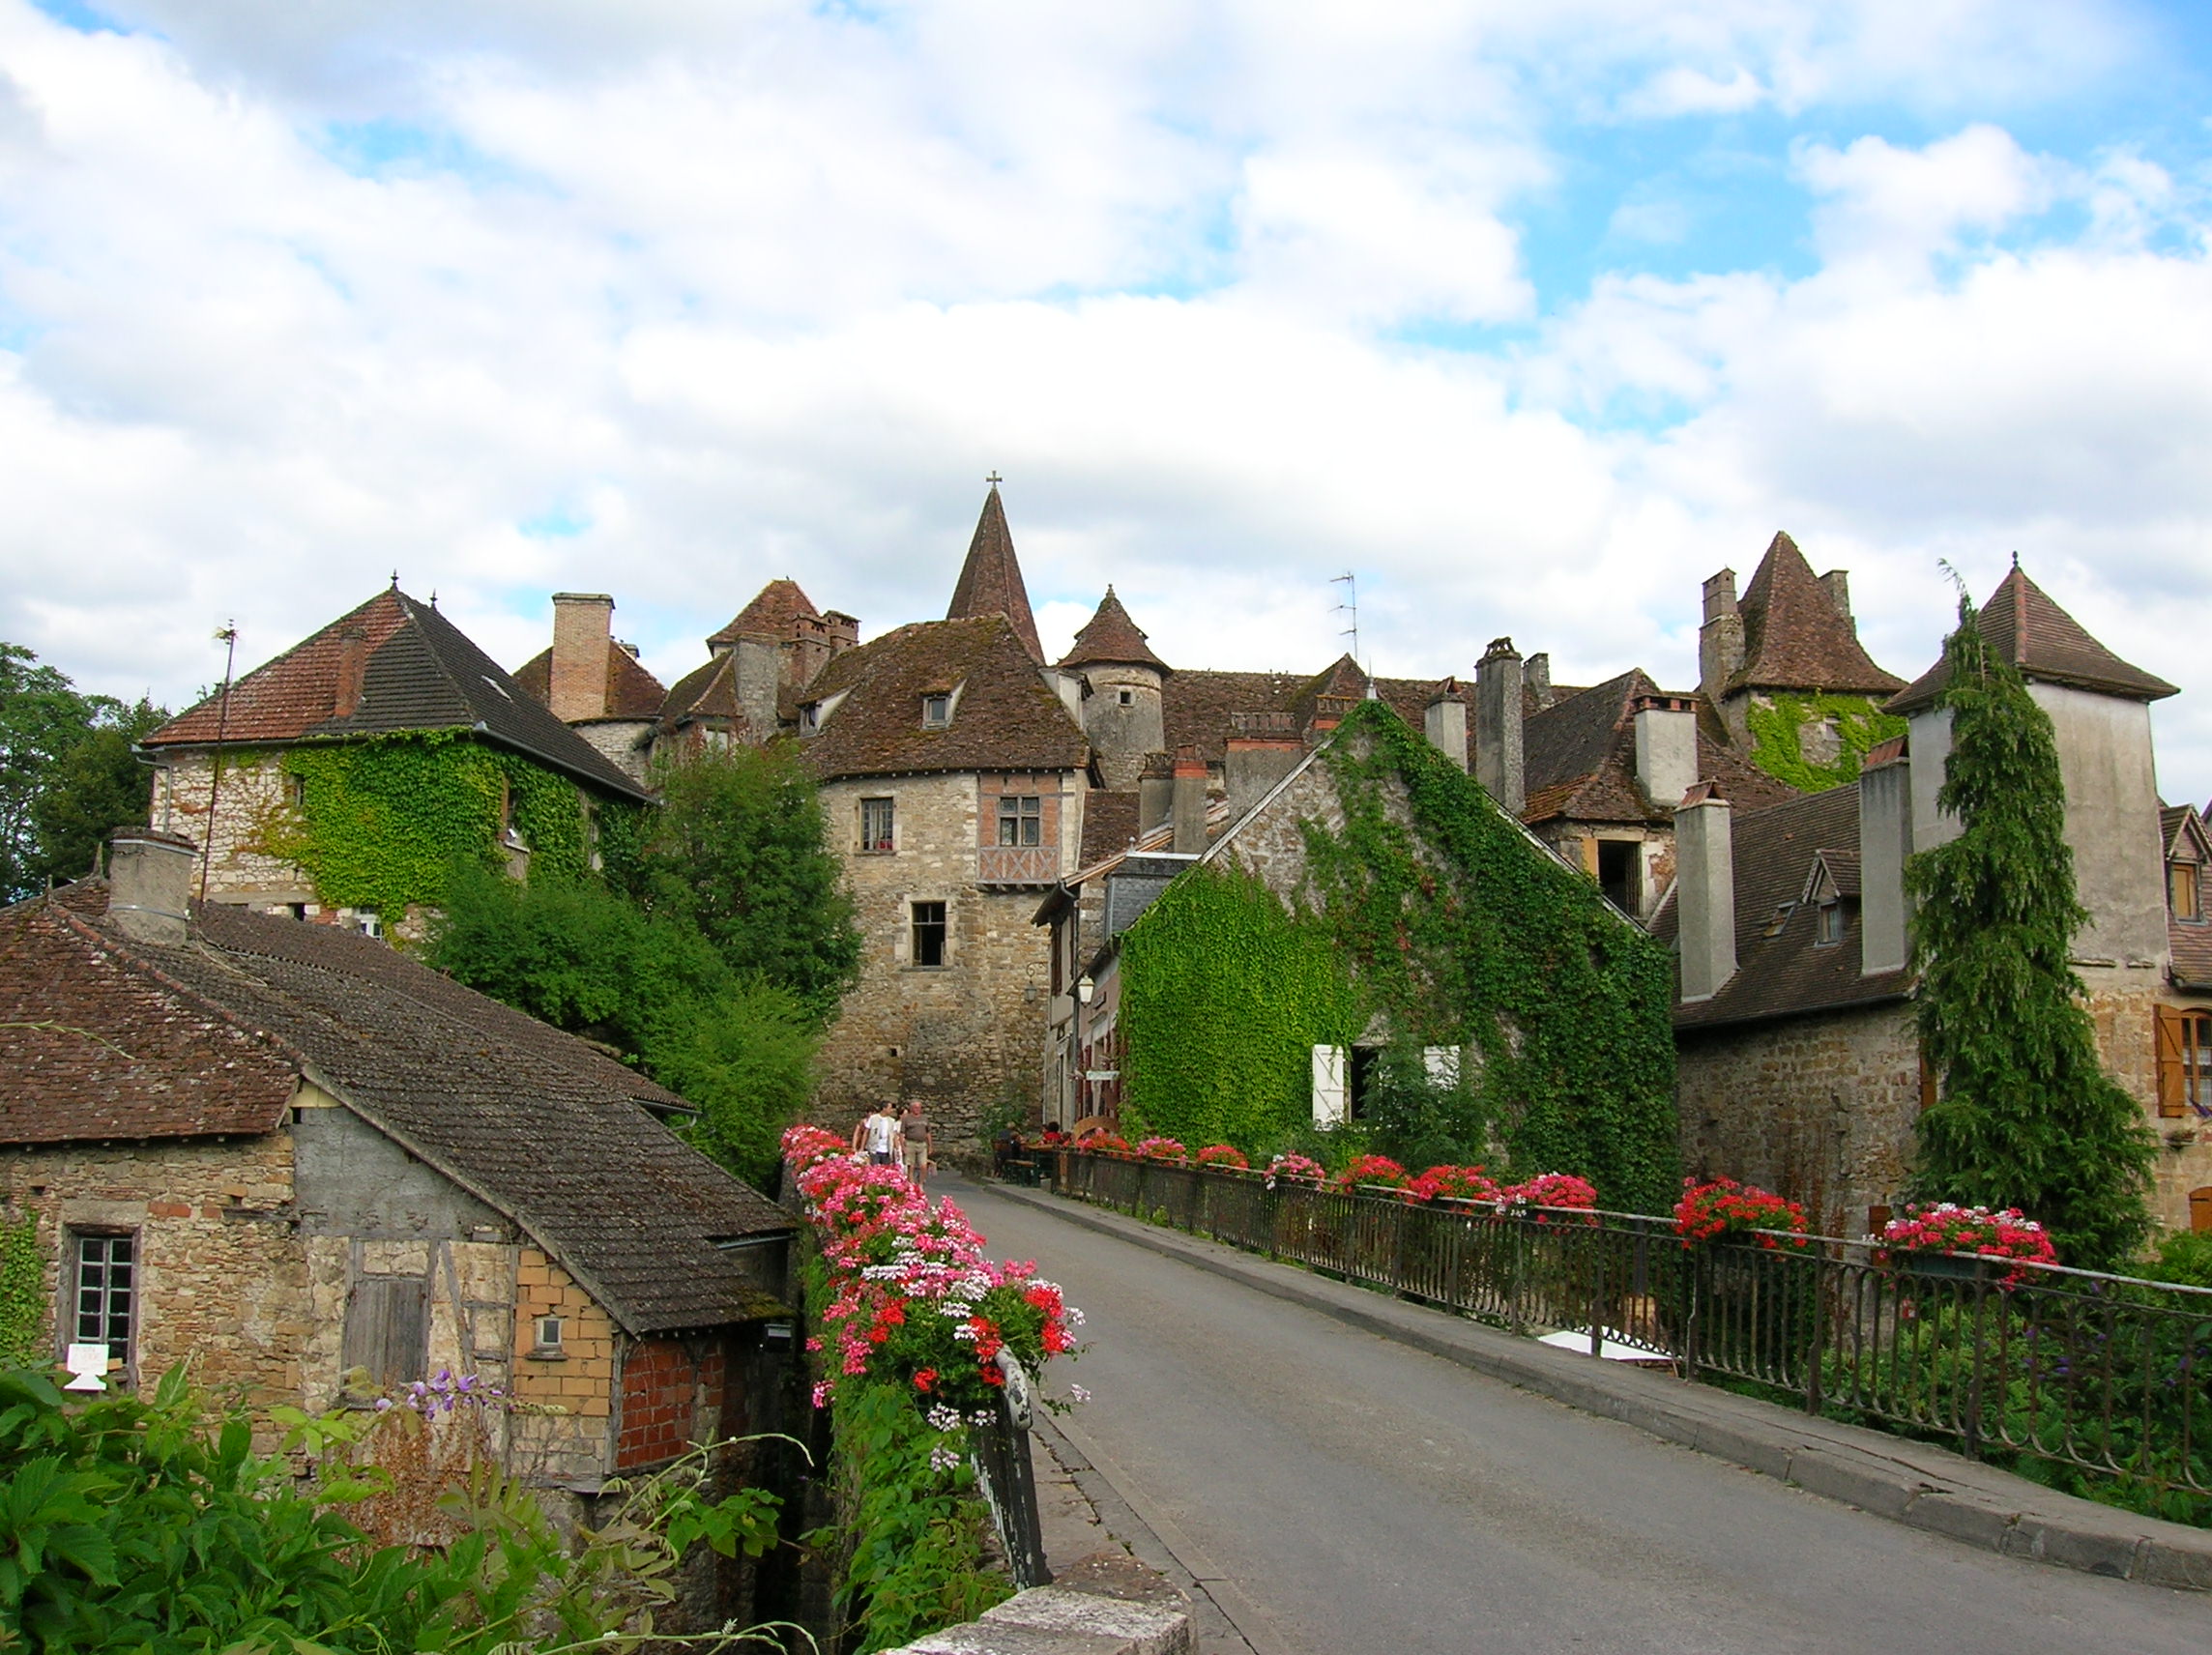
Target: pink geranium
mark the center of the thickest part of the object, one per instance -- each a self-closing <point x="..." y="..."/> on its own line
<point x="1158" y="1148"/>
<point x="1977" y="1231"/>
<point x="1296" y="1170"/>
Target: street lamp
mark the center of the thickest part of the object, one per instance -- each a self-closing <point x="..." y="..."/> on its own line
<point x="1084" y="987"/>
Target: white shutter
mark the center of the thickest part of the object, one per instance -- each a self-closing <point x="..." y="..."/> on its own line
<point x="1441" y="1063"/>
<point x="1328" y="1094"/>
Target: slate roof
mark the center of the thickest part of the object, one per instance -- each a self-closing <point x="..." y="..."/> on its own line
<point x="772" y="612"/>
<point x="540" y="1126"/>
<point x="632" y="692"/>
<point x="2022" y="626"/>
<point x="1578" y="760"/>
<point x="1004" y="717"/>
<point x="1110" y="636"/>
<point x="1788" y="972"/>
<point x="1794" y="637"/>
<point x="991" y="579"/>
<point x="422" y="672"/>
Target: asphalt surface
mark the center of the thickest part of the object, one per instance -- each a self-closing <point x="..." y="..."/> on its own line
<point x="1327" y="1490"/>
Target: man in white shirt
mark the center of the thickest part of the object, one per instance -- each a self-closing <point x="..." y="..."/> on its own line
<point x="881" y="1136"/>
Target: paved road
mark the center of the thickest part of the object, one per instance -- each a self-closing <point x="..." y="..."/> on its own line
<point x="1354" y="1496"/>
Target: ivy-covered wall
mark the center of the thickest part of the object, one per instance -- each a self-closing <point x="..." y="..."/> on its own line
<point x="377" y="824"/>
<point x="22" y="1293"/>
<point x="1779" y="722"/>
<point x="1418" y="899"/>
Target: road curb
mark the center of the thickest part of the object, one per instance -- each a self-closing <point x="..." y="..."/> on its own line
<point x="1916" y="1483"/>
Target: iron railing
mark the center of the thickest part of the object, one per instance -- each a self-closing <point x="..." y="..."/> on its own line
<point x="2110" y="1375"/>
<point x="1000" y="1451"/>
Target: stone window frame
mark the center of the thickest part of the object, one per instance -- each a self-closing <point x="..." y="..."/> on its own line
<point x="915" y="930"/>
<point x="549" y="1350"/>
<point x="68" y="1321"/>
<point x="1125" y="697"/>
<point x="887" y="843"/>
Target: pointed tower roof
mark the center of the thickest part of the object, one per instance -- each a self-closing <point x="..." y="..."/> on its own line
<point x="1797" y="638"/>
<point x="1110" y="636"/>
<point x="771" y="612"/>
<point x="991" y="579"/>
<point x="2022" y="626"/>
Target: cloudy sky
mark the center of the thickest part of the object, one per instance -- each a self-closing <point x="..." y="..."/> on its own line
<point x="1530" y="316"/>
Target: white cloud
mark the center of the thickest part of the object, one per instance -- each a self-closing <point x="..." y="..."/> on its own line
<point x="1683" y="91"/>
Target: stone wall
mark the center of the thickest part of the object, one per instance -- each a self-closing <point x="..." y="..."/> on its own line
<point x="1819" y="1109"/>
<point x="961" y="1036"/>
<point x="253" y="792"/>
<point x="222" y="1280"/>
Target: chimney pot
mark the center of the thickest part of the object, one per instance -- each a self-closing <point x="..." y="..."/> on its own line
<point x="149" y="884"/>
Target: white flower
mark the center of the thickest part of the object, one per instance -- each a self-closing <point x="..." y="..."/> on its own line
<point x="942" y="1416"/>
<point x="1074" y="1317"/>
<point x="943" y="1459"/>
<point x="1079" y="1393"/>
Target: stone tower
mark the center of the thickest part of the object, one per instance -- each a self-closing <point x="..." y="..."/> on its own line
<point x="1121" y="704"/>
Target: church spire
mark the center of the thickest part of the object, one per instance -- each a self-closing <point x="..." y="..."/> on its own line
<point x="991" y="579"/>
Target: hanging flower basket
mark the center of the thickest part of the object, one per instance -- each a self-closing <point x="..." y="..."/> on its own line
<point x="1722" y="1210"/>
<point x="1964" y="1242"/>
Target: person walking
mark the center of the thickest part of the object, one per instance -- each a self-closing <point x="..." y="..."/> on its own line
<point x="914" y="1135"/>
<point x="880" y="1136"/>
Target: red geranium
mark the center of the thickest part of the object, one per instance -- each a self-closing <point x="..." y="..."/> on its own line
<point x="1371" y="1169"/>
<point x="1722" y="1207"/>
<point x="1222" y="1156"/>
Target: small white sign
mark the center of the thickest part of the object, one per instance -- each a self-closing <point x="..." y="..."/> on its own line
<point x="86" y="1364"/>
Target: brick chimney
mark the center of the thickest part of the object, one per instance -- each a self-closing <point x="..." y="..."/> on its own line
<point x="149" y="884"/>
<point x="353" y="667"/>
<point x="1497" y="725"/>
<point x="1189" y="807"/>
<point x="1705" y="891"/>
<point x="583" y="629"/>
<point x="1720" y="640"/>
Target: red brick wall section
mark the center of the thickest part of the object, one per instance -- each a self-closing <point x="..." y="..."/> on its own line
<point x="671" y="1396"/>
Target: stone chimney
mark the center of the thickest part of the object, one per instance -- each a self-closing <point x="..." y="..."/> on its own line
<point x="1536" y="679"/>
<point x="1837" y="584"/>
<point x="1705" y="891"/>
<point x="1498" y="724"/>
<point x="1156" y="791"/>
<point x="150" y="885"/>
<point x="1666" y="748"/>
<point x="1264" y="747"/>
<point x="1720" y="640"/>
<point x="1444" y="722"/>
<point x="352" y="668"/>
<point x="1189" y="802"/>
<point x="1885" y="840"/>
<point x="760" y="672"/>
<point x="583" y="626"/>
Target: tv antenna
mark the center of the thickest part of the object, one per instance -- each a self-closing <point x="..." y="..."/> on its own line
<point x="1350" y="606"/>
<point x="227" y="636"/>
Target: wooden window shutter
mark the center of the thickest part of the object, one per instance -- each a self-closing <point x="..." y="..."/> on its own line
<point x="1329" y="1100"/>
<point x="388" y="1328"/>
<point x="2200" y="1208"/>
<point x="1926" y="1085"/>
<point x="2173" y="1060"/>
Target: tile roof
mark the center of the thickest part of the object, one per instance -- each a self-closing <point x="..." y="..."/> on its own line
<point x="2181" y="830"/>
<point x="421" y="673"/>
<point x="1794" y="637"/>
<point x="1578" y="760"/>
<point x="709" y="691"/>
<point x="2191" y="942"/>
<point x="632" y="692"/>
<point x="772" y="612"/>
<point x="2022" y="626"/>
<point x="542" y="1126"/>
<point x="1110" y="636"/>
<point x="1198" y="707"/>
<point x="991" y="579"/>
<point x="1787" y="973"/>
<point x="1004" y="719"/>
<point x="1109" y="822"/>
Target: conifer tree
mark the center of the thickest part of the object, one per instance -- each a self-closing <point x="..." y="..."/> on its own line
<point x="2026" y="1117"/>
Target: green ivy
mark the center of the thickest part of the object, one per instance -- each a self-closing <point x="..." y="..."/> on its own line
<point x="379" y="824"/>
<point x="1778" y="728"/>
<point x="1432" y="907"/>
<point x="22" y="1293"/>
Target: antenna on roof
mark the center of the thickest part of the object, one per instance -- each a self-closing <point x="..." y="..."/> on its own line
<point x="1351" y="605"/>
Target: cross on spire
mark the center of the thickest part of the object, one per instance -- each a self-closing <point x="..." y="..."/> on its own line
<point x="994" y="479"/>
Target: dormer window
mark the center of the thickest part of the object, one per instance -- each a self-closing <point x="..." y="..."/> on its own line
<point x="936" y="711"/>
<point x="2183" y="890"/>
<point x="1828" y="923"/>
<point x="811" y="718"/>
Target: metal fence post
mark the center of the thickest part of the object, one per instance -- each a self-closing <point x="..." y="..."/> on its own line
<point x="1002" y="1458"/>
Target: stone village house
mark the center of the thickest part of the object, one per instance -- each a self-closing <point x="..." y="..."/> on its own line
<point x="280" y="1152"/>
<point x="394" y="669"/>
<point x="963" y="776"/>
<point x="1799" y="1067"/>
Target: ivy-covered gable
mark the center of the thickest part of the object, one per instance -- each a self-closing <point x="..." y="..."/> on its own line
<point x="1381" y="895"/>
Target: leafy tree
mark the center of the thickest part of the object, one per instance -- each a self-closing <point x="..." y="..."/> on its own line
<point x="746" y="1059"/>
<point x="67" y="776"/>
<point x="736" y="848"/>
<point x="2026" y="1117"/>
